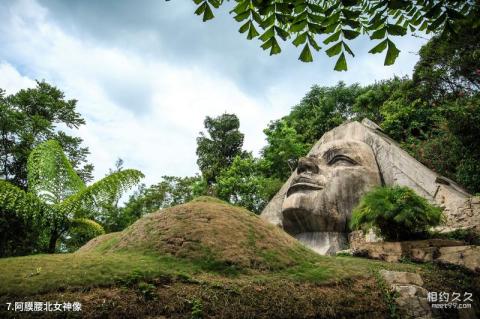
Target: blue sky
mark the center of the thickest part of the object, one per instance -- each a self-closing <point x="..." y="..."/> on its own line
<point x="145" y="76"/>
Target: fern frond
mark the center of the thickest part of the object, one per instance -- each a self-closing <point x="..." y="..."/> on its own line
<point x="25" y="205"/>
<point x="93" y="196"/>
<point x="50" y="175"/>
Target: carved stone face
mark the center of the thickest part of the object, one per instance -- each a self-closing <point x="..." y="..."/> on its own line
<point x="327" y="186"/>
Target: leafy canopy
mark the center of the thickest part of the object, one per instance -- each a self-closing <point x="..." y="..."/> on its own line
<point x="245" y="184"/>
<point x="30" y="117"/>
<point x="395" y="213"/>
<point x="337" y="22"/>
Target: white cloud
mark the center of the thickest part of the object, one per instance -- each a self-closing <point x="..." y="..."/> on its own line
<point x="142" y="107"/>
<point x="11" y="80"/>
<point x="157" y="136"/>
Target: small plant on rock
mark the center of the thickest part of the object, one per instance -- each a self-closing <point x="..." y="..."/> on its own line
<point x="395" y="213"/>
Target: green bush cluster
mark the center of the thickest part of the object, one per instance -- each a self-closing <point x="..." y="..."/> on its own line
<point x="395" y="213"/>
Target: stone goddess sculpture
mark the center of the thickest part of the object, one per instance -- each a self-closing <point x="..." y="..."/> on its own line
<point x="316" y="203"/>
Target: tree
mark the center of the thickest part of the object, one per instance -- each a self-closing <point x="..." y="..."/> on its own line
<point x="284" y="148"/>
<point x="449" y="66"/>
<point x="395" y="213"/>
<point x="245" y="184"/>
<point x="57" y="198"/>
<point x="29" y="118"/>
<point x="338" y="22"/>
<point x="217" y="150"/>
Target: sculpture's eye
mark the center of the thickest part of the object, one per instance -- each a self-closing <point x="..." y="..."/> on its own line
<point x="342" y="160"/>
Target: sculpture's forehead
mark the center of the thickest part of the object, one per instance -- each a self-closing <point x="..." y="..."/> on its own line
<point x="353" y="148"/>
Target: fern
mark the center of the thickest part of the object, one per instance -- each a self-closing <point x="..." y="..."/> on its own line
<point x="57" y="198"/>
<point x="395" y="213"/>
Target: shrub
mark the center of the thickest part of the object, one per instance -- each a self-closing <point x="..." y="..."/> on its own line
<point x="395" y="213"/>
<point x="80" y="232"/>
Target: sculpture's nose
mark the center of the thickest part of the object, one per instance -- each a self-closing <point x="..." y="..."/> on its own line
<point x="306" y="164"/>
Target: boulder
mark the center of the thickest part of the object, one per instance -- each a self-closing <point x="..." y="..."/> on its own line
<point x="411" y="297"/>
<point x="465" y="256"/>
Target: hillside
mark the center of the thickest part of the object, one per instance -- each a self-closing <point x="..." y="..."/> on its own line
<point x="208" y="259"/>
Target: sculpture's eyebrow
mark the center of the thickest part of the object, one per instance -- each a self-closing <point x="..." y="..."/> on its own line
<point x="329" y="154"/>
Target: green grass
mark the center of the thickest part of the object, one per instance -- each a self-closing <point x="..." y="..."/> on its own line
<point x="43" y="273"/>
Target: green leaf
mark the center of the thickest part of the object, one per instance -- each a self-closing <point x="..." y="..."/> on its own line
<point x="350" y="34"/>
<point x="341" y="64"/>
<point x="244" y="27"/>
<point x="434" y="11"/>
<point x="394" y="29"/>
<point x="392" y="53"/>
<point x="300" y="7"/>
<point x="299" y="26"/>
<point x="397" y="4"/>
<point x="215" y="3"/>
<point x="351" y="23"/>
<point x="334" y="49"/>
<point x="282" y="33"/>
<point x="242" y="16"/>
<point x="269" y="33"/>
<point x="306" y="54"/>
<point x="242" y="6"/>
<point x="313" y="43"/>
<point x="268" y="44"/>
<point x="379" y="47"/>
<point x="315" y="28"/>
<point x="349" y="14"/>
<point x="347" y="48"/>
<point x="334" y="37"/>
<point x="208" y="14"/>
<point x="269" y="21"/>
<point x="258" y="19"/>
<point x="252" y="32"/>
<point x="300" y="39"/>
<point x="349" y="3"/>
<point x="423" y="26"/>
<point x="379" y="34"/>
<point x="201" y="9"/>
<point x="275" y="49"/>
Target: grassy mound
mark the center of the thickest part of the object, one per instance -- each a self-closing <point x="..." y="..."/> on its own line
<point x="219" y="235"/>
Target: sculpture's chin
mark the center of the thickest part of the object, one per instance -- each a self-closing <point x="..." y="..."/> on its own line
<point x="305" y="212"/>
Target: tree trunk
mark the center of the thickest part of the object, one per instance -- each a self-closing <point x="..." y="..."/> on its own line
<point x="53" y="241"/>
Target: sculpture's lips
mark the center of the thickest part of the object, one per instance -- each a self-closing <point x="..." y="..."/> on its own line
<point x="301" y="184"/>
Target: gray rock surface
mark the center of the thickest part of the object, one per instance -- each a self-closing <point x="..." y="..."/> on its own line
<point x="411" y="296"/>
<point x="344" y="164"/>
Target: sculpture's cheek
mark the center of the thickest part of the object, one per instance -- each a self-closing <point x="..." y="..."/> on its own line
<point x="329" y="209"/>
<point x="342" y="193"/>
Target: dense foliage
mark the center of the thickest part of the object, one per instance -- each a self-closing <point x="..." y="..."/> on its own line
<point x="218" y="148"/>
<point x="337" y="22"/>
<point x="244" y="183"/>
<point x="170" y="191"/>
<point x="395" y="213"/>
<point x="58" y="202"/>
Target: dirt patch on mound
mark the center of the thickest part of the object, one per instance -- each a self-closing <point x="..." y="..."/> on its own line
<point x="282" y="299"/>
<point x="216" y="233"/>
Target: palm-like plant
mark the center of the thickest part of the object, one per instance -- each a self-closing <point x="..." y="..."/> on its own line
<point x="57" y="199"/>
